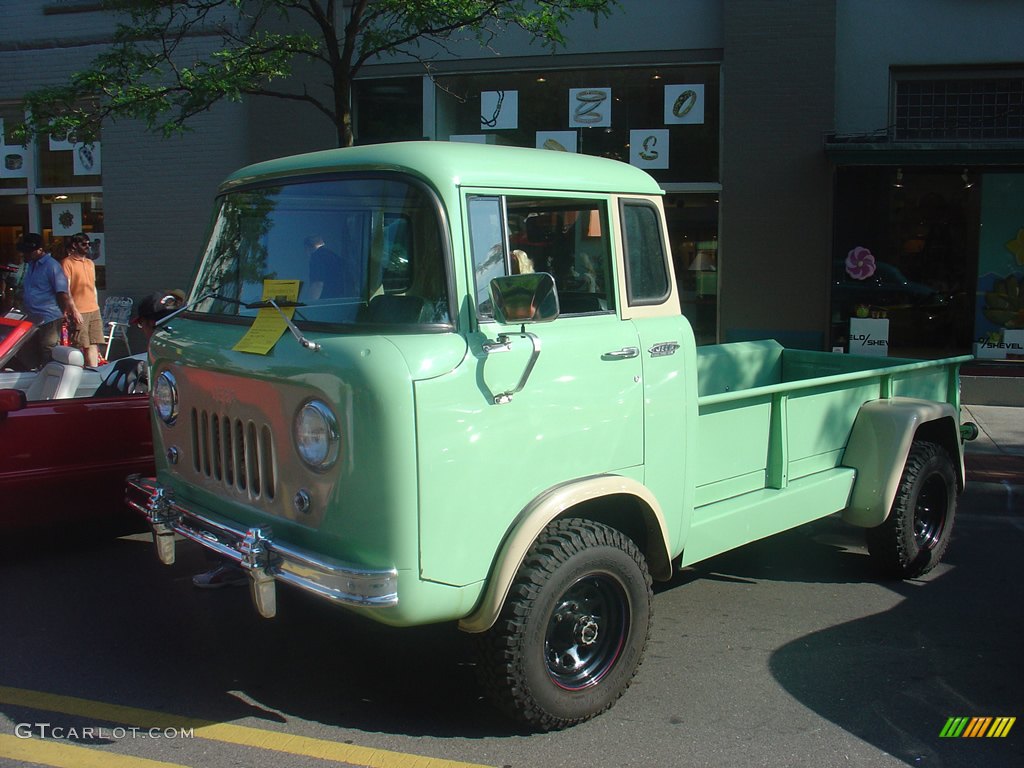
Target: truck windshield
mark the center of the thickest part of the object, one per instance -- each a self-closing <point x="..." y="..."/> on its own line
<point x="366" y="250"/>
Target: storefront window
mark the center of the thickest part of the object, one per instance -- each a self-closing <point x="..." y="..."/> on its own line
<point x="53" y="187"/>
<point x="920" y="227"/>
<point x="693" y="232"/>
<point x="388" y="109"/>
<point x="13" y="157"/>
<point x="999" y="297"/>
<point x="13" y="220"/>
<point x="64" y="162"/>
<point x="664" y="120"/>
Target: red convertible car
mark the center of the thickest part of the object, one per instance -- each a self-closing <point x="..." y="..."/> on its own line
<point x="14" y="333"/>
<point x="68" y="437"/>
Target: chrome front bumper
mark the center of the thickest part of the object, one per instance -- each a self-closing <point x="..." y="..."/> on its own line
<point x="255" y="550"/>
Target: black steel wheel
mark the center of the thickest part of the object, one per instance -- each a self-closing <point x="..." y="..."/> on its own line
<point x="574" y="627"/>
<point x="916" y="534"/>
<point x="586" y="632"/>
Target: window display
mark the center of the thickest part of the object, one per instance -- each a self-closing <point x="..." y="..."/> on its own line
<point x="664" y="120"/>
<point x="928" y="250"/>
<point x="53" y="186"/>
<point x="999" y="304"/>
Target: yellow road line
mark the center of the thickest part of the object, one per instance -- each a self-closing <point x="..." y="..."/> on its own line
<point x="60" y="755"/>
<point x="223" y="732"/>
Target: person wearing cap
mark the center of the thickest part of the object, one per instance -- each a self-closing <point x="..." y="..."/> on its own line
<point x="45" y="298"/>
<point x="130" y="375"/>
<point x="87" y="328"/>
<point x="154" y="307"/>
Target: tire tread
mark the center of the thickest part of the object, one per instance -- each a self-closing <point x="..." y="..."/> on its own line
<point x="892" y="544"/>
<point x="498" y="651"/>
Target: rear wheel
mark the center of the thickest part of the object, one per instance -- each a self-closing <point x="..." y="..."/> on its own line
<point x="917" y="531"/>
<point x="574" y="627"/>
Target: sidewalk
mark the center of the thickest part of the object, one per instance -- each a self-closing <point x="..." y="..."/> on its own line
<point x="997" y="455"/>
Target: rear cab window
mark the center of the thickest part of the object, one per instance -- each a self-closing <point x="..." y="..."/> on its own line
<point x="646" y="255"/>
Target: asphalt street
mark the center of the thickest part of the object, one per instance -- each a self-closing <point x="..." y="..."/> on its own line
<point x="787" y="652"/>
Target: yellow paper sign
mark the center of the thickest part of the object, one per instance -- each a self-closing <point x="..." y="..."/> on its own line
<point x="269" y="325"/>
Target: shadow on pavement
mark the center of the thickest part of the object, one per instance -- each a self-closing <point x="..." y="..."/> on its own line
<point x="950" y="648"/>
<point x="106" y="621"/>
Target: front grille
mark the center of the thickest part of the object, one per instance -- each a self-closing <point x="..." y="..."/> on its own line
<point x="236" y="453"/>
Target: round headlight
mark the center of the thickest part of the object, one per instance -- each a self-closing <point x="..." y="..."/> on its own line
<point x="317" y="438"/>
<point x="165" y="398"/>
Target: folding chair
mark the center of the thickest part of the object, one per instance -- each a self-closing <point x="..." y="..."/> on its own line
<point x="117" y="313"/>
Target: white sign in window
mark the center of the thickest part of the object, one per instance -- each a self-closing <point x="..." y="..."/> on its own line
<point x="590" y="107"/>
<point x="684" y="104"/>
<point x="559" y="141"/>
<point x="649" y="149"/>
<point x="869" y="336"/>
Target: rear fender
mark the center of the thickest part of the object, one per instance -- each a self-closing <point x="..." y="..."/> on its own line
<point x="878" y="447"/>
<point x="573" y="499"/>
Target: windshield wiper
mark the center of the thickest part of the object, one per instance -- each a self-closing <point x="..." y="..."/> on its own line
<point x="277" y="302"/>
<point x="266" y="304"/>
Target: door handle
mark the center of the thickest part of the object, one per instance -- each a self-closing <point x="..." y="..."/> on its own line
<point x="622" y="354"/>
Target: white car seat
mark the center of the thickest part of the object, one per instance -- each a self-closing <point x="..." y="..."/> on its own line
<point x="59" y="378"/>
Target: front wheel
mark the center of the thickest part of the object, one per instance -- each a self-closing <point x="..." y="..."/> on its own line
<point x="574" y="627"/>
<point x="917" y="531"/>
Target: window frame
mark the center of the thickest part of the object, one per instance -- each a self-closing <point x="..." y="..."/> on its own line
<point x="633" y="300"/>
<point x="563" y="201"/>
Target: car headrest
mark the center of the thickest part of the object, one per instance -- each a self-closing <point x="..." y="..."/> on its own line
<point x="68" y="355"/>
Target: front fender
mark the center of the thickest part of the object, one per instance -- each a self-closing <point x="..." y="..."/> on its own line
<point x="878" y="447"/>
<point x="553" y="504"/>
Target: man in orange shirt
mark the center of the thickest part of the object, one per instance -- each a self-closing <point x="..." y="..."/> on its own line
<point x="87" y="330"/>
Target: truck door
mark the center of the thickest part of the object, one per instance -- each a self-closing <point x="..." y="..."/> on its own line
<point x="584" y="391"/>
<point x="650" y="301"/>
<point x="580" y="411"/>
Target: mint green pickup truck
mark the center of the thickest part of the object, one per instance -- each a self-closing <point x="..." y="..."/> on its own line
<point x="435" y="382"/>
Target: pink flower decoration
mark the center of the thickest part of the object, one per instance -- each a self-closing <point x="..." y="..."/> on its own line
<point x="860" y="263"/>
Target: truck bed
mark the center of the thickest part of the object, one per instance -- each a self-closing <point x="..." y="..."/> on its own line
<point x="772" y="428"/>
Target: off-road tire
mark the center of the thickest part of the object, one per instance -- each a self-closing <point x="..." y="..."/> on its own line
<point x="573" y="630"/>
<point x="915" y="535"/>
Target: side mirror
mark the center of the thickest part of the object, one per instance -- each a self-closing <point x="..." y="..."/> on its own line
<point x="529" y="298"/>
<point x="11" y="400"/>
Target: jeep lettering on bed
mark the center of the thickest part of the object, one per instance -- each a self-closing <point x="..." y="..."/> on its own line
<point x="447" y="382"/>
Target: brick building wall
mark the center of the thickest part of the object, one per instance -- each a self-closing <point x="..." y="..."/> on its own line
<point x="778" y="84"/>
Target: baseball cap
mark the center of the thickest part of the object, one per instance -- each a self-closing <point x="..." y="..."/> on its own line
<point x="155" y="306"/>
<point x="30" y="242"/>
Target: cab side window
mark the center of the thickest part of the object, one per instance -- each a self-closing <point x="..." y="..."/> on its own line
<point x="566" y="237"/>
<point x="646" y="260"/>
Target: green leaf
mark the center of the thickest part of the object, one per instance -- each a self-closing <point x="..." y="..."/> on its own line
<point x="151" y="71"/>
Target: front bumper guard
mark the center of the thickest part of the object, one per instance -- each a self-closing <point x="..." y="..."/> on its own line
<point x="254" y="549"/>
